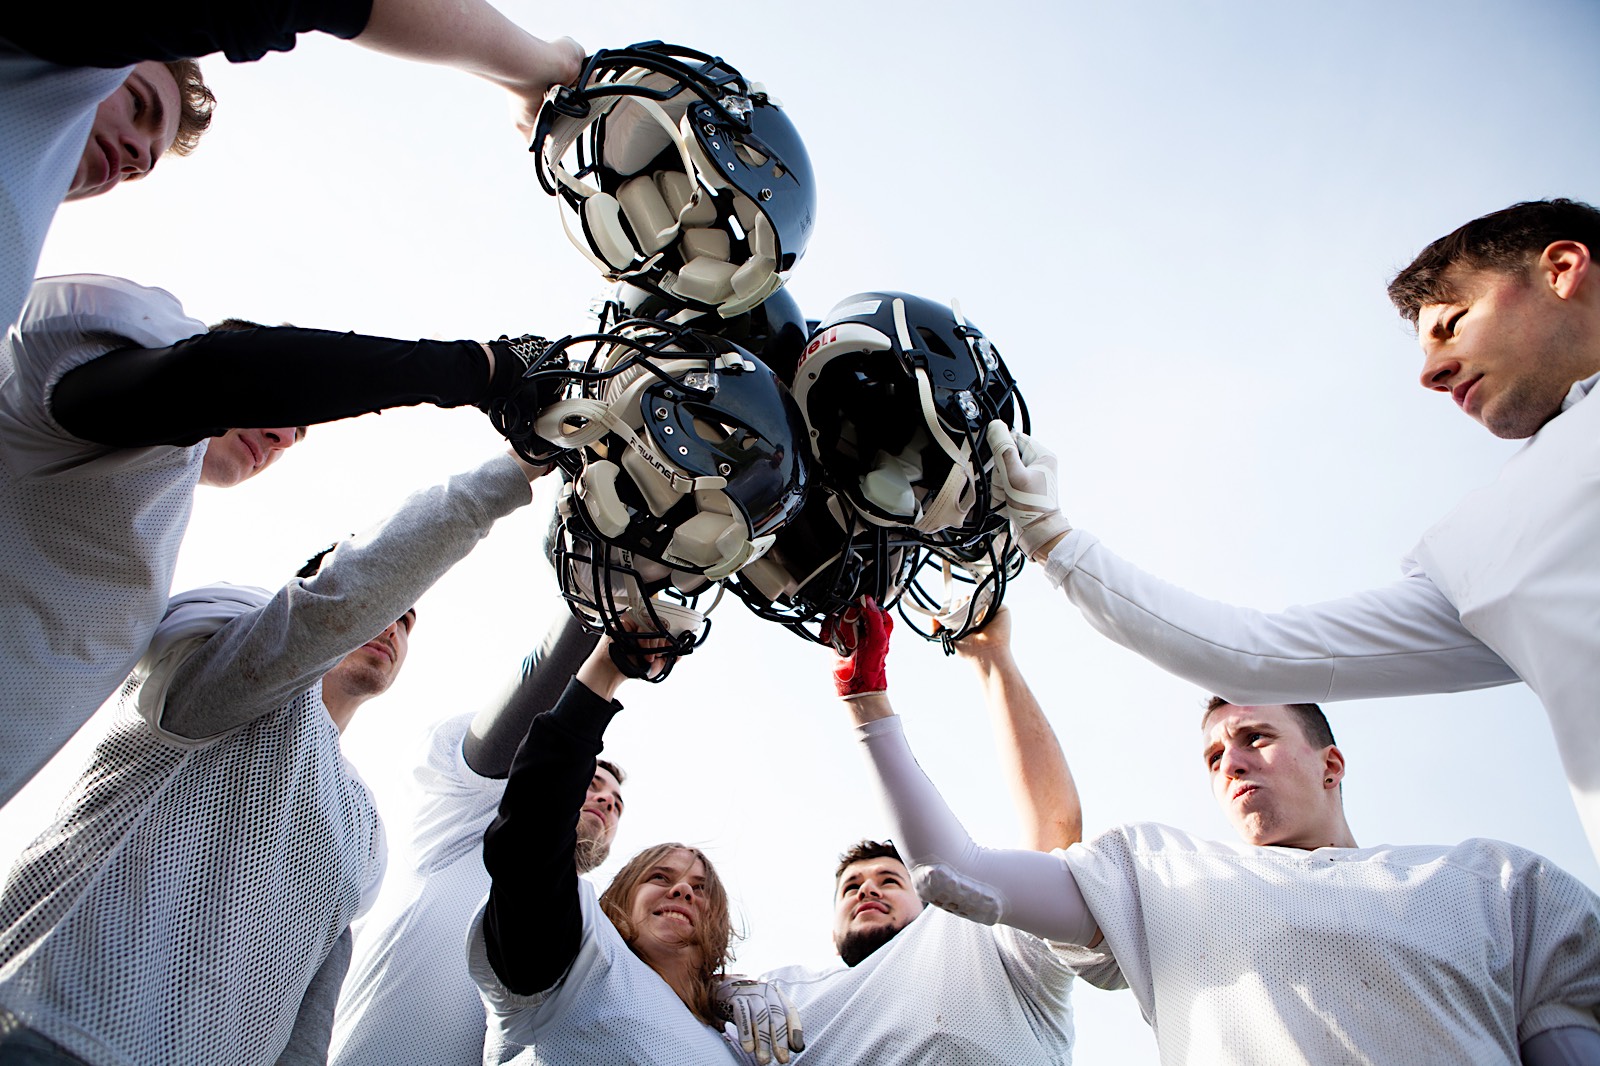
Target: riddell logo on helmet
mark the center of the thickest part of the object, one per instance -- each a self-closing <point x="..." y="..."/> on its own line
<point x="817" y="342"/>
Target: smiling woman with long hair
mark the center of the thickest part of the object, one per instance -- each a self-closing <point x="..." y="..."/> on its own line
<point x="567" y="977"/>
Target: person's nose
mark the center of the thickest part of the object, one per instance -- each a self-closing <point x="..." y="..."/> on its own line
<point x="137" y="154"/>
<point x="1438" y="371"/>
<point x="281" y="438"/>
<point x="684" y="890"/>
<point x="1235" y="762"/>
<point x="870" y="888"/>
<point x="602" y="800"/>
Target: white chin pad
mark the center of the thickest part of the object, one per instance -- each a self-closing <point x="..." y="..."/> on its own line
<point x="888" y="485"/>
<point x="758" y="275"/>
<point x="705" y="280"/>
<point x="707" y="539"/>
<point x="677" y="188"/>
<point x="602" y="224"/>
<point x="652" y="220"/>
<point x="677" y="619"/>
<point x="770" y="578"/>
<point x="597" y="488"/>
<point x="700" y="241"/>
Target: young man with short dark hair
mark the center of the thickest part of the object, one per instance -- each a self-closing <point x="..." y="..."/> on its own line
<point x="1293" y="945"/>
<point x="191" y="902"/>
<point x="1505" y="588"/>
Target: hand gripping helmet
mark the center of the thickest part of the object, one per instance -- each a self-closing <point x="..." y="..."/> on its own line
<point x="774" y="331"/>
<point x="644" y="607"/>
<point x="685" y="448"/>
<point x="896" y="391"/>
<point x="957" y="590"/>
<point x="686" y="178"/>
<point x="823" y="562"/>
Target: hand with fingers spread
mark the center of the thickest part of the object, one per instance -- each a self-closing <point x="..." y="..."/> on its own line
<point x="1025" y="479"/>
<point x="860" y="637"/>
<point x="766" y="1022"/>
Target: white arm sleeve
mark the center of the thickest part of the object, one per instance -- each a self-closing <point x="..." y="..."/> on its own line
<point x="1029" y="890"/>
<point x="1400" y="640"/>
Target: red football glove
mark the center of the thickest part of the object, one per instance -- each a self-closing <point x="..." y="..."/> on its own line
<point x="860" y="635"/>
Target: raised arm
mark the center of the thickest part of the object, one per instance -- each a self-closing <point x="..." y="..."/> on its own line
<point x="492" y="741"/>
<point x="210" y="383"/>
<point x="472" y="36"/>
<point x="1030" y="890"/>
<point x="261" y="659"/>
<point x="1042" y="788"/>
<point x="1399" y="640"/>
<point x="533" y="921"/>
<point x="469" y="35"/>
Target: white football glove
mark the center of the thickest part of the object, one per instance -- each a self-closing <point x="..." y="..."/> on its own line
<point x="1025" y="479"/>
<point x="767" y="1024"/>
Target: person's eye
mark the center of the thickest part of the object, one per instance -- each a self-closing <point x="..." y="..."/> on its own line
<point x="138" y="102"/>
<point x="1257" y="736"/>
<point x="1211" y="760"/>
<point x="1455" y="321"/>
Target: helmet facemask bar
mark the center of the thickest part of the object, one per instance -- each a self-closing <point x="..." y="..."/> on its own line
<point x="898" y="391"/>
<point x="958" y="591"/>
<point x="685" y="448"/>
<point x="610" y="594"/>
<point x="821" y="566"/>
<point x="686" y="179"/>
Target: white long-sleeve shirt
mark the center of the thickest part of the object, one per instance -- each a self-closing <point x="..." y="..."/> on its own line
<point x="1505" y="587"/>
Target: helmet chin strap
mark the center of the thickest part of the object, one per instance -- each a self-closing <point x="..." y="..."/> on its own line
<point x="584" y="191"/>
<point x="945" y="509"/>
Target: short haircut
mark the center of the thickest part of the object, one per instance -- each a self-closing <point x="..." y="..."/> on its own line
<point x="1507" y="240"/>
<point x="867" y="849"/>
<point x="195" y="104"/>
<point x="1313" y="723"/>
<point x="613" y="768"/>
<point x="233" y="325"/>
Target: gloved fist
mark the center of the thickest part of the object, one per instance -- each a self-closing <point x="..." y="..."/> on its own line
<point x="766" y="1022"/>
<point x="1025" y="479"/>
<point x="860" y="636"/>
<point x="514" y="399"/>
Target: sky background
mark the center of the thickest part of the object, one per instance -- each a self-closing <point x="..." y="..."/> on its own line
<point x="1175" y="221"/>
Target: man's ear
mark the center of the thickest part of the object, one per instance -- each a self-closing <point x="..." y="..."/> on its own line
<point x="1564" y="266"/>
<point x="1332" y="767"/>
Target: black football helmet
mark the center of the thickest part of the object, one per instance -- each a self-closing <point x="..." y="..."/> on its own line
<point x="683" y="448"/>
<point x="954" y="591"/>
<point x="823" y="562"/>
<point x="774" y="331"/>
<point x="644" y="607"/>
<point x="897" y="391"/>
<point x="686" y="178"/>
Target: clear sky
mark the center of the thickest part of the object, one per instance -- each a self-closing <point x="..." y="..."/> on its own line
<point x="1174" y="219"/>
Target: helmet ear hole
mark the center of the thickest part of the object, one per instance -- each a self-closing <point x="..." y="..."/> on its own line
<point x="602" y="224"/>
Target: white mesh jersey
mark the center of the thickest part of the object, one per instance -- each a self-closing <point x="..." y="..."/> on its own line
<point x="609" y="1008"/>
<point x="184" y="898"/>
<point x="1385" y="955"/>
<point x="944" y="991"/>
<point x="88" y="534"/>
<point x="409" y="998"/>
<point x="45" y="114"/>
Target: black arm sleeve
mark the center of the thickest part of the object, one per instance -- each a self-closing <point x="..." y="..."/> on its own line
<point x="120" y="34"/>
<point x="491" y="743"/>
<point x="248" y="379"/>
<point x="533" y="922"/>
